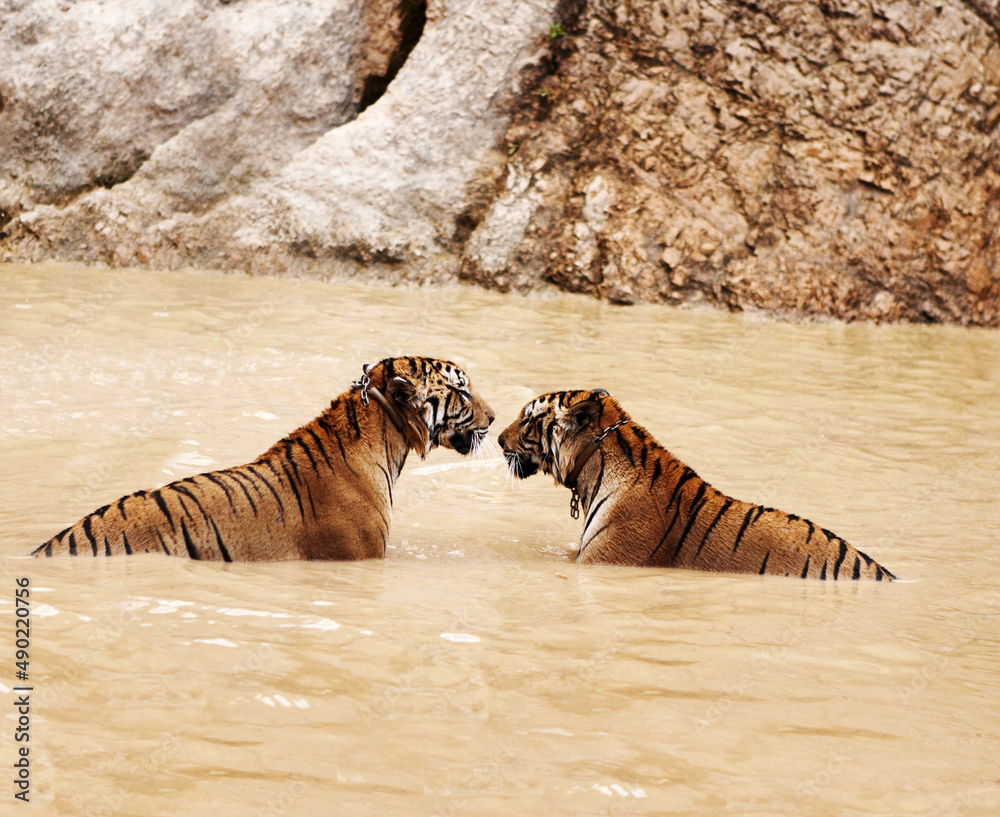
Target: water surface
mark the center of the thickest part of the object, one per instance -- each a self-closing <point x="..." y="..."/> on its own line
<point x="477" y="669"/>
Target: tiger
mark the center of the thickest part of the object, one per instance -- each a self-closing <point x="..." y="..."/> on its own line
<point x="644" y="507"/>
<point x="324" y="492"/>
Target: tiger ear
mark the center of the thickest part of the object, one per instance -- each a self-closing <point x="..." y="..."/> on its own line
<point x="367" y="368"/>
<point x="402" y="391"/>
<point x="583" y="413"/>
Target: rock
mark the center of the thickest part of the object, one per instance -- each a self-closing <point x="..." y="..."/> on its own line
<point x="244" y="126"/>
<point x="837" y="159"/>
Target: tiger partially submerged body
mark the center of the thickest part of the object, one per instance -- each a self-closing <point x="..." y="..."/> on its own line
<point x="323" y="492"/>
<point x="643" y="506"/>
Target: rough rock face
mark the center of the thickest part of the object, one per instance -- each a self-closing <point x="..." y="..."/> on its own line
<point x="836" y="158"/>
<point x="839" y="157"/>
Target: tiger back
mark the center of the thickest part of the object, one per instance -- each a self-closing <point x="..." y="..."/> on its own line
<point x="322" y="492"/>
<point x="643" y="506"/>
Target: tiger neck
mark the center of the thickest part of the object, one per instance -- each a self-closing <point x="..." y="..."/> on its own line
<point x="588" y="485"/>
<point x="358" y="432"/>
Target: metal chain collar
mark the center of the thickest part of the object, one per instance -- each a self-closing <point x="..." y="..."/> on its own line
<point x="574" y="500"/>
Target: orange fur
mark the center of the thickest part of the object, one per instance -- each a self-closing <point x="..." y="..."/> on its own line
<point x="643" y="506"/>
<point x="323" y="492"/>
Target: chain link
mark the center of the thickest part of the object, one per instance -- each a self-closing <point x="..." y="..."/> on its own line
<point x="362" y="383"/>
<point x="608" y="430"/>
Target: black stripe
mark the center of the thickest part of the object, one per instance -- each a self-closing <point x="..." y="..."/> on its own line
<point x="812" y="530"/>
<point x="48" y="549"/>
<point x="99" y="513"/>
<point x="595" y="534"/>
<point x="805" y="570"/>
<point x="352" y="418"/>
<point x="600" y="480"/>
<point x="107" y="546"/>
<point x="763" y="565"/>
<point x="89" y="532"/>
<point x="746" y="524"/>
<point x="188" y="542"/>
<point x="128" y="549"/>
<point x="718" y="516"/>
<point x="688" y="474"/>
<point x="163" y="544"/>
<point x="291" y="459"/>
<point x="211" y="477"/>
<point x="218" y="540"/>
<point x="657" y="472"/>
<point x="319" y="445"/>
<point x="304" y="447"/>
<point x="177" y="487"/>
<point x="840" y="558"/>
<point x="121" y="508"/>
<point x="693" y="510"/>
<point x="878" y="573"/>
<point x="343" y="452"/>
<point x="158" y="499"/>
<point x="549" y="436"/>
<point x="593" y="512"/>
<point x="184" y="508"/>
<point x="432" y="400"/>
<point x="238" y="478"/>
<point x="626" y="449"/>
<point x="295" y="490"/>
<point x="857" y="569"/>
<point x="823" y="574"/>
<point x="388" y="481"/>
<point x="270" y="487"/>
<point x="72" y="544"/>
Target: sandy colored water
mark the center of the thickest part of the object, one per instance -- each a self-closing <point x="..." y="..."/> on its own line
<point x="477" y="670"/>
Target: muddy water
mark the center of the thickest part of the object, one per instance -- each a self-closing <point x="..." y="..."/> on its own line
<point x="478" y="670"/>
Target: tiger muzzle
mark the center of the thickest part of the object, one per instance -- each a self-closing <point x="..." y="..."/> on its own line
<point x="467" y="439"/>
<point x="520" y="466"/>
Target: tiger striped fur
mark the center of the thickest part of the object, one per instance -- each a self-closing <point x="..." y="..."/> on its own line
<point x="643" y="506"/>
<point x="324" y="492"/>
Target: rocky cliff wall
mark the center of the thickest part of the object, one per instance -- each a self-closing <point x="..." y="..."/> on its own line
<point x="838" y="158"/>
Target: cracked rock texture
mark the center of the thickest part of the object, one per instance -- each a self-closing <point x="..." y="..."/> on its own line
<point x="835" y="158"/>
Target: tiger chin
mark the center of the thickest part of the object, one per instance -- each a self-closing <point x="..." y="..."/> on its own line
<point x="324" y="492"/>
<point x="642" y="506"/>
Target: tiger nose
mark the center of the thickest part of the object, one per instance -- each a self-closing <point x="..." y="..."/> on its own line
<point x="490" y="416"/>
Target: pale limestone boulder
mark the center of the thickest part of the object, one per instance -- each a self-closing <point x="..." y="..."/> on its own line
<point x="233" y="134"/>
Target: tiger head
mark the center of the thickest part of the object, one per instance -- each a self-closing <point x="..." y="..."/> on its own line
<point x="436" y="402"/>
<point x="554" y="429"/>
